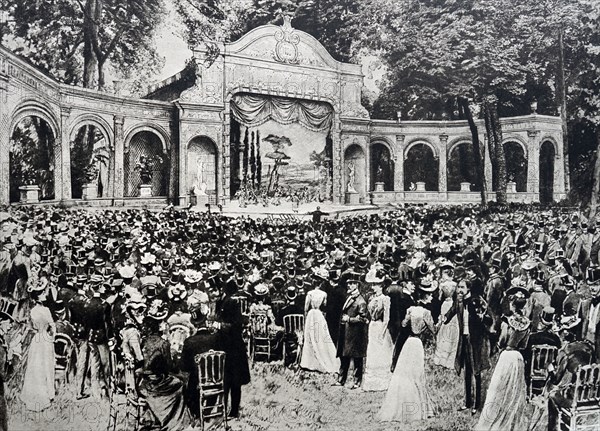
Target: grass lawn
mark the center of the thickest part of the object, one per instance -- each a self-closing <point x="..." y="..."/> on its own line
<point x="279" y="399"/>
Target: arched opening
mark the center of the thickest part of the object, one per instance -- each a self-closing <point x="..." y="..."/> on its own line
<point x="421" y="166"/>
<point x="516" y="165"/>
<point x="90" y="156"/>
<point x="546" y="173"/>
<point x="202" y="168"/>
<point x="31" y="158"/>
<point x="382" y="167"/>
<point x="354" y="170"/>
<point x="461" y="167"/>
<point x="146" y="164"/>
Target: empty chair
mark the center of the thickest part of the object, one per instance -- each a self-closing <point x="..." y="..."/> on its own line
<point x="211" y="374"/>
<point x="541" y="358"/>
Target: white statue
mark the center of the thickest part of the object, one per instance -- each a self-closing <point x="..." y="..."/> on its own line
<point x="200" y="184"/>
<point x="351" y="177"/>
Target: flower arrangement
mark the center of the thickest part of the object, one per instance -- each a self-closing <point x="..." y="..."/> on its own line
<point x="146" y="166"/>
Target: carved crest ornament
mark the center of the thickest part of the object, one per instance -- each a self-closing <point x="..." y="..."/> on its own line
<point x="286" y="50"/>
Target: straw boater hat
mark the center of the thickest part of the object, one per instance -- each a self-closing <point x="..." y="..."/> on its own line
<point x="157" y="310"/>
<point x="261" y="289"/>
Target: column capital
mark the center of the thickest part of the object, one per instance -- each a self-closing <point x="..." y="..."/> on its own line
<point x="400" y="139"/>
<point x="444" y="138"/>
<point x="119" y="120"/>
<point x="533" y="133"/>
<point x="65" y="112"/>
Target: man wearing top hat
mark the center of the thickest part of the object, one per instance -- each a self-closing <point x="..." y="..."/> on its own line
<point x="353" y="335"/>
<point x="472" y="355"/>
<point x="8" y="309"/>
<point x="97" y="324"/>
<point x="589" y="310"/>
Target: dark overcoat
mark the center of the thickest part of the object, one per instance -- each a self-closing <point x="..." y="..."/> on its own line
<point x="229" y="313"/>
<point x="354" y="334"/>
<point x="478" y="344"/>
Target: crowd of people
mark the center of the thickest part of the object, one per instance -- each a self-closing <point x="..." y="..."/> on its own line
<point x="155" y="289"/>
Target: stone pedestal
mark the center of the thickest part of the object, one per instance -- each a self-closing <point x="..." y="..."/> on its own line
<point x="511" y="187"/>
<point x="352" y="198"/>
<point x="465" y="187"/>
<point x="379" y="186"/>
<point x="29" y="194"/>
<point x="145" y="190"/>
<point x="202" y="200"/>
<point x="90" y="191"/>
<point x="420" y="186"/>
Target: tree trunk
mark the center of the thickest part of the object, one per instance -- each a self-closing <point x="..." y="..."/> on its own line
<point x="494" y="132"/>
<point x="463" y="104"/>
<point x="561" y="96"/>
<point x="595" y="181"/>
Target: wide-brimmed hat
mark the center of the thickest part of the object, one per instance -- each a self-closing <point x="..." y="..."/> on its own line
<point x="427" y="286"/>
<point x="176" y="292"/>
<point x="518" y="291"/>
<point x="127" y="272"/>
<point x="569" y="322"/>
<point x="157" y="310"/>
<point x="261" y="289"/>
<point x="320" y="272"/>
<point x="214" y="266"/>
<point x="373" y="278"/>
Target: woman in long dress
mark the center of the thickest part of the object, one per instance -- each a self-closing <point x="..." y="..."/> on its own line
<point x="507" y="396"/>
<point x="380" y="348"/>
<point x="318" y="351"/>
<point x="38" y="384"/>
<point x="447" y="336"/>
<point x="407" y="398"/>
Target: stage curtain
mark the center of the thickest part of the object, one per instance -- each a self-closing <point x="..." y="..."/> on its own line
<point x="252" y="110"/>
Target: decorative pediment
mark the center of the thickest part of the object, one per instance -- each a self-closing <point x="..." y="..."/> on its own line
<point x="286" y="45"/>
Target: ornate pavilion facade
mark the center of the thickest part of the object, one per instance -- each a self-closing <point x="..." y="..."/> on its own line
<point x="272" y="72"/>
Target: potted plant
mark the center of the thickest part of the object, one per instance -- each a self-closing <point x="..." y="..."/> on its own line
<point x="99" y="158"/>
<point x="29" y="191"/>
<point x="146" y="166"/>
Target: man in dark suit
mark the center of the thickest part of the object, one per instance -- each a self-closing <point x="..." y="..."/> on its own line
<point x="230" y="325"/>
<point x="589" y="311"/>
<point x="353" y="335"/>
<point x="400" y="301"/>
<point x="202" y="341"/>
<point x="473" y="350"/>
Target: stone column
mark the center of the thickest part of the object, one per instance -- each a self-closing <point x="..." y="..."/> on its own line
<point x="533" y="165"/>
<point x="442" y="169"/>
<point x="62" y="158"/>
<point x="368" y="186"/>
<point x="184" y="195"/>
<point x="399" y="164"/>
<point x="487" y="164"/>
<point x="225" y="162"/>
<point x="119" y="154"/>
<point x="5" y="135"/>
<point x="338" y="188"/>
<point x="559" y="170"/>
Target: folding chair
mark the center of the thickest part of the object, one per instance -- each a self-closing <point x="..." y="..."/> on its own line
<point x="260" y="338"/>
<point x="63" y="351"/>
<point x="541" y="357"/>
<point x="584" y="412"/>
<point x="211" y="373"/>
<point x="293" y="324"/>
<point x="245" y="308"/>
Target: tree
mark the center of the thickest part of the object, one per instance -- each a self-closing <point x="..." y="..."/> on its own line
<point x="75" y="40"/>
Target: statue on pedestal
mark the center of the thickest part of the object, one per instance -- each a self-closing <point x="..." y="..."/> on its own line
<point x="351" y="177"/>
<point x="200" y="185"/>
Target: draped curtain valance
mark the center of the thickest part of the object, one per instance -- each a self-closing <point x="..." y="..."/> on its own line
<point x="252" y="110"/>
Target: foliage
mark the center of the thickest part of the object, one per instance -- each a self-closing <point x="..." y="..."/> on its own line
<point x="74" y="40"/>
<point x="146" y="167"/>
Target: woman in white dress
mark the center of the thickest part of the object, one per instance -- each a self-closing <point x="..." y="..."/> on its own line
<point x="447" y="336"/>
<point x="407" y="398"/>
<point x="380" y="348"/>
<point x="506" y="397"/>
<point x="38" y="383"/>
<point x="318" y="351"/>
